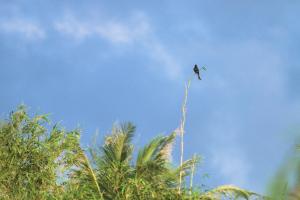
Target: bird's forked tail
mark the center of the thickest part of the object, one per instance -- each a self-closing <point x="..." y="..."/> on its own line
<point x="199" y="76"/>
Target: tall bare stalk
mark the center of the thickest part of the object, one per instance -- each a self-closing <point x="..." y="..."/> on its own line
<point x="181" y="131"/>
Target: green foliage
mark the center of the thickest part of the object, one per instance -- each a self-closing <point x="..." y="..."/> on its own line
<point x="228" y="191"/>
<point x="286" y="183"/>
<point x="31" y="156"/>
<point x="41" y="162"/>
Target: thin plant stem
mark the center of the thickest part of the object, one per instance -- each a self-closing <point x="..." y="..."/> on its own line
<point x="182" y="125"/>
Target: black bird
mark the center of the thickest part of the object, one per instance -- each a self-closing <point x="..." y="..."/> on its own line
<point x="196" y="70"/>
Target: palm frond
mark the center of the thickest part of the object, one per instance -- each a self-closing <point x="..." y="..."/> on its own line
<point x="152" y="160"/>
<point x="228" y="191"/>
<point x="118" y="147"/>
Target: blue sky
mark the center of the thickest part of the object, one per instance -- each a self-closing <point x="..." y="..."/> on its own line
<point x="92" y="63"/>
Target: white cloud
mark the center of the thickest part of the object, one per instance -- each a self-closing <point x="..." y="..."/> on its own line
<point x="228" y="157"/>
<point x="124" y="32"/>
<point x="232" y="165"/>
<point x="135" y="30"/>
<point x="113" y="31"/>
<point x="71" y="26"/>
<point x="160" y="54"/>
<point x="26" y="28"/>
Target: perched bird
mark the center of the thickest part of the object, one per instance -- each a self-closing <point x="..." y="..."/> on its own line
<point x="196" y="70"/>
